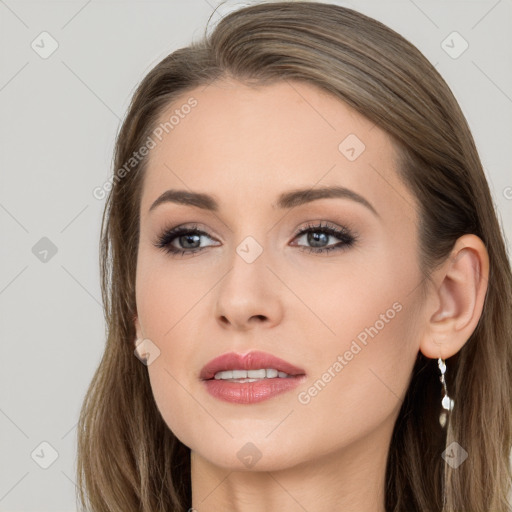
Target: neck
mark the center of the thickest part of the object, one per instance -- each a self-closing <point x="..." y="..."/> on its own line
<point x="350" y="479"/>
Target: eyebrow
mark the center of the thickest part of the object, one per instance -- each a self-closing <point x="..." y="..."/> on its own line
<point x="285" y="200"/>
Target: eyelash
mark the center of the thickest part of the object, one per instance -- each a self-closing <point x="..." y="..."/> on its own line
<point x="347" y="238"/>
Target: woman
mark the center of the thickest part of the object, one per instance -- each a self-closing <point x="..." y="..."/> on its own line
<point x="301" y="247"/>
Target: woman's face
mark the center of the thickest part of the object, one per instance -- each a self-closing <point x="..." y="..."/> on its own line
<point x="347" y="318"/>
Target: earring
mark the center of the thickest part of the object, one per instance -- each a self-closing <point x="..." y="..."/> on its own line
<point x="447" y="403"/>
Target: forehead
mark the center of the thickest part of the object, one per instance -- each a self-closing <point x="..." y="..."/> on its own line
<point x="246" y="144"/>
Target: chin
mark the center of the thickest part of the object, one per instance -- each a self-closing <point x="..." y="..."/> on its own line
<point x="251" y="455"/>
<point x="273" y="462"/>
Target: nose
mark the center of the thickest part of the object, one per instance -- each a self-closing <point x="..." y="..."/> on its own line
<point x="249" y="295"/>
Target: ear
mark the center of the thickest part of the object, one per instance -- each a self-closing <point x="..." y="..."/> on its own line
<point x="455" y="303"/>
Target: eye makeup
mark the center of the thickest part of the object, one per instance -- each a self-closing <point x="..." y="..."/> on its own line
<point x="186" y="239"/>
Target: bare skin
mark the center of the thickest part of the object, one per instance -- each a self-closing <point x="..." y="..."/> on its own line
<point x="322" y="450"/>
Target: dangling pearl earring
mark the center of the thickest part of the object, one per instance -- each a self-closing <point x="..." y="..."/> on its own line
<point x="447" y="402"/>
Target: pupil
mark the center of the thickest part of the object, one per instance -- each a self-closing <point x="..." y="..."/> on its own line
<point x="187" y="238"/>
<point x="316" y="237"/>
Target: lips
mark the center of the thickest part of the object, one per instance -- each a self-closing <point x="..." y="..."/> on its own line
<point x="254" y="360"/>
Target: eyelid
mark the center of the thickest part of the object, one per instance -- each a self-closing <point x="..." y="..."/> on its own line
<point x="312" y="224"/>
<point x="175" y="232"/>
<point x="323" y="224"/>
<point x="347" y="238"/>
<point x="189" y="226"/>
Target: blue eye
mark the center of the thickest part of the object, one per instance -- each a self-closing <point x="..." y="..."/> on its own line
<point x="318" y="234"/>
<point x="189" y="239"/>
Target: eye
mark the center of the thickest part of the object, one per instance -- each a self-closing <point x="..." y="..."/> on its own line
<point x="184" y="240"/>
<point x="318" y="236"/>
<point x="181" y="240"/>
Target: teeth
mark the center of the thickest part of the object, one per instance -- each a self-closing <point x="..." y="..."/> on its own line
<point x="255" y="374"/>
<point x="264" y="373"/>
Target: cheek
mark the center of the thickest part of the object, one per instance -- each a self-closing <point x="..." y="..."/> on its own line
<point x="364" y="358"/>
<point x="174" y="398"/>
<point x="168" y="303"/>
<point x="166" y="294"/>
<point x="358" y="298"/>
<point x="360" y="379"/>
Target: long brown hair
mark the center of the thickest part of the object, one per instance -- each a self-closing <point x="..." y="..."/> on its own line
<point x="128" y="459"/>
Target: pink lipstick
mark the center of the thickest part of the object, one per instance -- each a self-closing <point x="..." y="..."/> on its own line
<point x="249" y="378"/>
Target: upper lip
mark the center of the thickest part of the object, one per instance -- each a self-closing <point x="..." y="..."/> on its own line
<point x="253" y="360"/>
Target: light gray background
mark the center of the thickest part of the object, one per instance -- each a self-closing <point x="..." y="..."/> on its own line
<point x="59" y="117"/>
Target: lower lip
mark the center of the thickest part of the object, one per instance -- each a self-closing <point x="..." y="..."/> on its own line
<point x="251" y="392"/>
